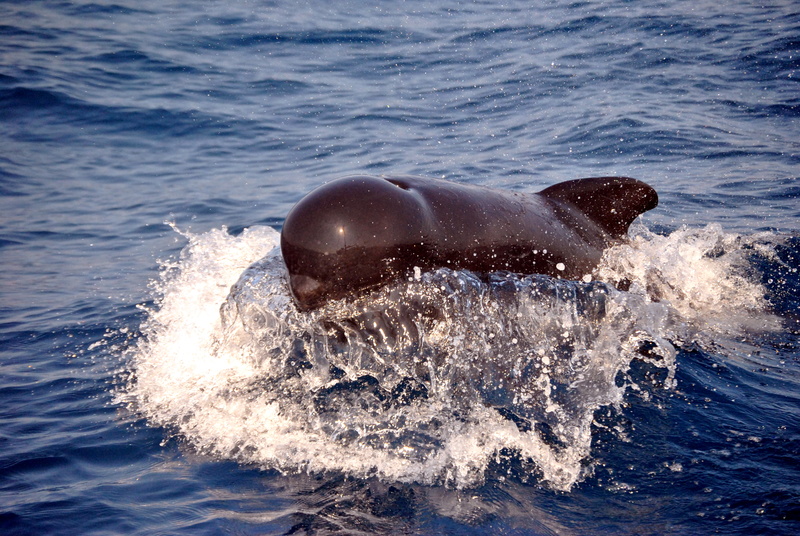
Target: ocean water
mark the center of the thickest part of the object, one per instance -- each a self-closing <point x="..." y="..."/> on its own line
<point x="155" y="377"/>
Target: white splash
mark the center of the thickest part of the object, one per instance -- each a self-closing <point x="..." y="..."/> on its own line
<point x="701" y="273"/>
<point x="430" y="380"/>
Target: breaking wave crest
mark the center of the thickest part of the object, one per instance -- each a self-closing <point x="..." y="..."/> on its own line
<point x="435" y="380"/>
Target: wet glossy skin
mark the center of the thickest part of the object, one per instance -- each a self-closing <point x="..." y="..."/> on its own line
<point x="357" y="233"/>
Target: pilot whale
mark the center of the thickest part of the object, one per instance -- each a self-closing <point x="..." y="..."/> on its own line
<point x="357" y="233"/>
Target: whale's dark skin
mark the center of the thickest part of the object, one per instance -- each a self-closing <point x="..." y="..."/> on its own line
<point x="358" y="233"/>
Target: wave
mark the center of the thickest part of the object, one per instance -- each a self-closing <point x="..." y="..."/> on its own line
<point x="56" y="108"/>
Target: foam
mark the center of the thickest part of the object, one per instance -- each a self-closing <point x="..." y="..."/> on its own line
<point x="704" y="274"/>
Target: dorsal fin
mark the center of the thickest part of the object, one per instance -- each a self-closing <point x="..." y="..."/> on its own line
<point x="611" y="202"/>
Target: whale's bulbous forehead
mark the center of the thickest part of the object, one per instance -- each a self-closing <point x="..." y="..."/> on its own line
<point x="363" y="211"/>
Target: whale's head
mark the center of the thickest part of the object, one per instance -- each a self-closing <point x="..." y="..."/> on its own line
<point x="353" y="233"/>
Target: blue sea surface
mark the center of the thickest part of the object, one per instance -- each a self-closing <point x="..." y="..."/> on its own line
<point x="150" y="383"/>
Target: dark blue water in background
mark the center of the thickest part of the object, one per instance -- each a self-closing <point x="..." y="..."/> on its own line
<point x="116" y="117"/>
